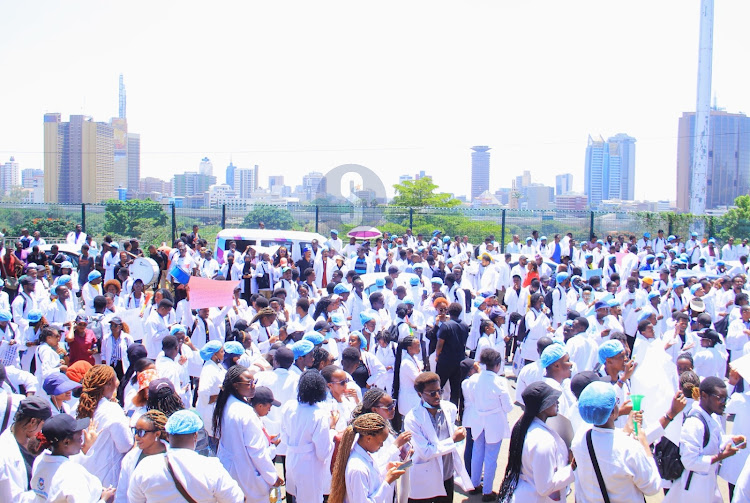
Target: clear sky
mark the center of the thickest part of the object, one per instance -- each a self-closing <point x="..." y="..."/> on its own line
<point x="396" y="86"/>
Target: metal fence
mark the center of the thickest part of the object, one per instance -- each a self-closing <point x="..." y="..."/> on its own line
<point x="153" y="222"/>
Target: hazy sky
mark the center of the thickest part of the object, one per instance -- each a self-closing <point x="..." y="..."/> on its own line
<point x="396" y="86"/>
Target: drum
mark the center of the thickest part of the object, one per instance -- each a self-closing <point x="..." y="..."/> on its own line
<point x="180" y="275"/>
<point x="144" y="269"/>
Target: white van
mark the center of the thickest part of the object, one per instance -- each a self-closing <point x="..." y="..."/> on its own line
<point x="294" y="241"/>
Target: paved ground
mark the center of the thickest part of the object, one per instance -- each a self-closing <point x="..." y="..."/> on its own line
<point x="513" y="417"/>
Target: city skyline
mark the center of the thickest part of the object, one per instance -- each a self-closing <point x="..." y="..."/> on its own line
<point x="414" y="108"/>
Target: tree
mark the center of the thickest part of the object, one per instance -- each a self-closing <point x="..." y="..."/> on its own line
<point x="273" y="217"/>
<point x="418" y="193"/>
<point x="133" y="217"/>
<point x="736" y="222"/>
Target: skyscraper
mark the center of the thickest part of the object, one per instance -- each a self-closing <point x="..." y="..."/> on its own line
<point x="9" y="176"/>
<point x="122" y="99"/>
<point x="246" y="181"/>
<point x="563" y="184"/>
<point x="610" y="169"/>
<point x="134" y="163"/>
<point x="230" y="174"/>
<point x="206" y="167"/>
<point x="313" y="184"/>
<point x="480" y="170"/>
<point x="78" y="160"/>
<point x="728" y="174"/>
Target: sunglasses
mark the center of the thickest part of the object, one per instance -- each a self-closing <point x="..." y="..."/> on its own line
<point x="247" y="383"/>
<point x="389" y="407"/>
<point x="141" y="433"/>
<point x="433" y="393"/>
<point x="345" y="381"/>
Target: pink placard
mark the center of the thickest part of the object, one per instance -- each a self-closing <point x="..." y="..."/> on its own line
<point x="206" y="292"/>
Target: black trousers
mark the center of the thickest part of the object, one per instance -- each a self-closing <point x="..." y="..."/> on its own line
<point x="450" y="373"/>
<point x="448" y="498"/>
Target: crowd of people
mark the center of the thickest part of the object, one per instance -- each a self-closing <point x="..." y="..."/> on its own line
<point x="376" y="371"/>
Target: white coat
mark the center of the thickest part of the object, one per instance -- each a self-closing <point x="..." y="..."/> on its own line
<point x="114" y="441"/>
<point x="47" y="363"/>
<point x="309" y="446"/>
<point x="211" y="379"/>
<point x="57" y="478"/>
<point x="57" y="314"/>
<point x="696" y="458"/>
<point x="203" y="478"/>
<point x="407" y="395"/>
<point x="364" y="481"/>
<point x="284" y="386"/>
<point x="537" y="324"/>
<point x="427" y="472"/>
<point x="108" y="346"/>
<point x="731" y="467"/>
<point x="154" y="330"/>
<point x="559" y="306"/>
<point x="14" y="481"/>
<point x="493" y="403"/>
<point x="545" y="471"/>
<point x="470" y="419"/>
<point x="129" y="464"/>
<point x="245" y="452"/>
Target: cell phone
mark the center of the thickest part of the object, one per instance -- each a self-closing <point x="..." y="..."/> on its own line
<point x="406" y="464"/>
<point x="740" y="445"/>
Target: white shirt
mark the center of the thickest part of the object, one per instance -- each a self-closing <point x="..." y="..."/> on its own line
<point x="203" y="478"/>
<point x="628" y="472"/>
<point x="57" y="478"/>
<point x="115" y="439"/>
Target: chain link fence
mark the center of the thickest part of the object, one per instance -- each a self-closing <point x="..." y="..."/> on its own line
<point x="154" y="223"/>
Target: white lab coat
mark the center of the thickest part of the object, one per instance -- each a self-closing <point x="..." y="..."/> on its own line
<point x="528" y="374"/>
<point x="245" y="452"/>
<point x="427" y="471"/>
<point x="544" y="466"/>
<point x="57" y="314"/>
<point x="537" y="324"/>
<point x="211" y="379"/>
<point x="57" y="478"/>
<point x="731" y="467"/>
<point x="559" y="306"/>
<point x="14" y="482"/>
<point x="47" y="363"/>
<point x="129" y="464"/>
<point x="628" y="472"/>
<point x="284" y="386"/>
<point x="114" y="441"/>
<point x="407" y="395"/>
<point x="309" y="447"/>
<point x="364" y="481"/>
<point x="493" y="404"/>
<point x="583" y="351"/>
<point x="154" y="330"/>
<point x="696" y="458"/>
<point x="204" y="479"/>
<point x="108" y="346"/>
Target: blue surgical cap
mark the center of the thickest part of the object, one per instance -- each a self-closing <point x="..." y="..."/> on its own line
<point x="301" y="348"/>
<point x="176" y="329"/>
<point x="694" y="288"/>
<point x="613" y="302"/>
<point x="341" y="288"/>
<point x="645" y="315"/>
<point x="362" y="340"/>
<point x="338" y="319"/>
<point x="63" y="280"/>
<point x="5" y="315"/>
<point x="678" y="284"/>
<point x="561" y="277"/>
<point x="314" y="337"/>
<point x="379" y="281"/>
<point x="413" y="281"/>
<point x="652" y="295"/>
<point x="408" y="300"/>
<point x="609" y="349"/>
<point x="209" y="349"/>
<point x="596" y="403"/>
<point x="94" y="274"/>
<point x="364" y="317"/>
<point x="183" y="422"/>
<point x="551" y="354"/>
<point x="436" y="280"/>
<point x="233" y="348"/>
<point x="34" y="316"/>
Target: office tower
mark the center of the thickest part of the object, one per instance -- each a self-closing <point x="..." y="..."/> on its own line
<point x="30" y="177"/>
<point x="563" y="184"/>
<point x="78" y="160"/>
<point x="313" y="184"/>
<point x="122" y="100"/>
<point x="230" y="174"/>
<point x="571" y="202"/>
<point x="134" y="162"/>
<point x="523" y="180"/>
<point x="480" y="170"/>
<point x="206" y="167"/>
<point x="610" y="169"/>
<point x="120" y="134"/>
<point x="9" y="176"/>
<point x="728" y="174"/>
<point x="246" y="182"/>
<point x="191" y="184"/>
<point x="538" y="196"/>
<point x="275" y="181"/>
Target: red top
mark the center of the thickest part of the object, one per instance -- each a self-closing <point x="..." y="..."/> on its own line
<point x="79" y="347"/>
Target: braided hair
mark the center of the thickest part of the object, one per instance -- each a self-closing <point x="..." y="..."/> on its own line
<point x="517" y="439"/>
<point x="164" y="400"/>
<point x="320" y="355"/>
<point x="93" y="384"/>
<point x="402" y="346"/>
<point x="135" y="352"/>
<point x="366" y="424"/>
<point x="158" y="421"/>
<point x="369" y="400"/>
<point x="227" y="389"/>
<point x="321" y="307"/>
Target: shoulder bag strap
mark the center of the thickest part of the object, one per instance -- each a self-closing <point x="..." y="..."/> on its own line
<point x="8" y="406"/>
<point x="599" y="477"/>
<point x="180" y="488"/>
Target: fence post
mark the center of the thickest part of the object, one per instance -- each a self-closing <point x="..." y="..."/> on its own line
<point x="502" y="233"/>
<point x="223" y="216"/>
<point x="83" y="217"/>
<point x="317" y="216"/>
<point x="591" y="226"/>
<point x="411" y="218"/>
<point x="174" y="223"/>
<point x="670" y="226"/>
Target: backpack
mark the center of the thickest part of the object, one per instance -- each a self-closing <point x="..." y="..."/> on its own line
<point x="522" y="330"/>
<point x="393" y="332"/>
<point x="667" y="455"/>
<point x="722" y="326"/>
<point x="95" y="325"/>
<point x="548" y="299"/>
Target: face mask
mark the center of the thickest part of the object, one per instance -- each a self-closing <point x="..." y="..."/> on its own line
<point x="428" y="406"/>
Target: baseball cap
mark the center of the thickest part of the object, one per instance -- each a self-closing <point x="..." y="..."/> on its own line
<point x="264" y="394"/>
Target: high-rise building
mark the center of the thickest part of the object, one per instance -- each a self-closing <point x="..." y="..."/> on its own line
<point x="275" y="181"/>
<point x="571" y="202"/>
<point x="191" y="184"/>
<point x="122" y="100"/>
<point x="728" y="174"/>
<point x="524" y="180"/>
<point x="480" y="170"/>
<point x="313" y="183"/>
<point x="230" y="174"/>
<point x="206" y="167"/>
<point x="9" y="176"/>
<point x="246" y="181"/>
<point x="151" y="184"/>
<point x="30" y="177"/>
<point x="563" y="184"/>
<point x="610" y="169"/>
<point x="538" y="196"/>
<point x="120" y="134"/>
<point x="78" y="160"/>
<point x="134" y="163"/>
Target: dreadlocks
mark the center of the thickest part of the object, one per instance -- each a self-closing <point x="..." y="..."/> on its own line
<point x="93" y="384"/>
<point x="158" y="421"/>
<point x="366" y="424"/>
